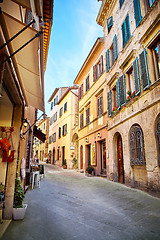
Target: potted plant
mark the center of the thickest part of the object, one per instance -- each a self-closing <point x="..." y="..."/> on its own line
<point x="90" y="170"/>
<point x="64" y="164"/>
<point x="19" y="208"/>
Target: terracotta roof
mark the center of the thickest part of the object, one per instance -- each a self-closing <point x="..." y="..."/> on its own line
<point x="69" y="89"/>
<point x="53" y="94"/>
<point x="48" y="18"/>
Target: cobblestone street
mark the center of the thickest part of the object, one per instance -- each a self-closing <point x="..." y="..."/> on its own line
<point x="71" y="206"/>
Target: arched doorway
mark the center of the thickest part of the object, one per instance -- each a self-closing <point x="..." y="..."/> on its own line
<point x="81" y="157"/>
<point x="120" y="165"/>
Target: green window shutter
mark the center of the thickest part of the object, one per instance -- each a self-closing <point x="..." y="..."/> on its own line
<point x="144" y="69"/>
<point x="118" y="94"/>
<point x="136" y="77"/>
<point x="137" y="12"/>
<point x="107" y="61"/>
<point x="109" y="98"/>
<point x="115" y="54"/>
<point x="122" y="87"/>
<point x="127" y="26"/>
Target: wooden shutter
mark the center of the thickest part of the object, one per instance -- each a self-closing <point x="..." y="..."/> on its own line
<point x="101" y="63"/>
<point x="128" y="34"/>
<point x="82" y="90"/>
<point x="144" y="69"/>
<point x="115" y="55"/>
<point x="109" y="98"/>
<point x="137" y="12"/>
<point x="94" y="73"/>
<point x="79" y="92"/>
<point x="122" y="90"/>
<point x="107" y="61"/>
<point x="118" y="94"/>
<point x="136" y="77"/>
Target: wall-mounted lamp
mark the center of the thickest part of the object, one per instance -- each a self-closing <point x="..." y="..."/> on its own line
<point x="99" y="135"/>
<point x="25" y="122"/>
<point x="86" y="140"/>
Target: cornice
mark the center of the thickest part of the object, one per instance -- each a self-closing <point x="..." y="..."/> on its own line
<point x="103" y="11"/>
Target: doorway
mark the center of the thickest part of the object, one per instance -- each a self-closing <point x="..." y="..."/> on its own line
<point x="53" y="156"/>
<point x="81" y="157"/>
<point x="89" y="154"/>
<point x="120" y="160"/>
<point x="103" y="156"/>
<point x="63" y="154"/>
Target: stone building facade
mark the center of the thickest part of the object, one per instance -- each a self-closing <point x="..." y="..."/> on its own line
<point x="132" y="49"/>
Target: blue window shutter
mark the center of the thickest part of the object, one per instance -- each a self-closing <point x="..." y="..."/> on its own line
<point x="123" y="34"/>
<point x="122" y="89"/>
<point x="136" y="77"/>
<point x="137" y="12"/>
<point x="118" y="94"/>
<point x="109" y="23"/>
<point x="107" y="61"/>
<point x="115" y="47"/>
<point x="121" y="3"/>
<point x="109" y="98"/>
<point x="144" y="69"/>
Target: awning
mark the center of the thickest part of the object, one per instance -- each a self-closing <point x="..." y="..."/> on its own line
<point x="27" y="60"/>
<point x="37" y="133"/>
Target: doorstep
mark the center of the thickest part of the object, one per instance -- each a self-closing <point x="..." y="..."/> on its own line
<point x="3" y="226"/>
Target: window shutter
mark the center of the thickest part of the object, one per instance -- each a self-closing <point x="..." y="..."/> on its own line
<point x="118" y="94"/>
<point x="136" y="77"/>
<point x="109" y="23"/>
<point x="115" y="47"/>
<point x="123" y="34"/>
<point x="107" y="61"/>
<point x="82" y="90"/>
<point x="122" y="87"/>
<point x="109" y="98"/>
<point x="121" y="3"/>
<point x="137" y="12"/>
<point x="101" y="63"/>
<point x="144" y="69"/>
<point x="128" y="34"/>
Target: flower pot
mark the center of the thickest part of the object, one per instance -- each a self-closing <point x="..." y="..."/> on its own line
<point x="19" y="213"/>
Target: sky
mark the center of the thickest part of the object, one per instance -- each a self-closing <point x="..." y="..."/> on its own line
<point x="74" y="32"/>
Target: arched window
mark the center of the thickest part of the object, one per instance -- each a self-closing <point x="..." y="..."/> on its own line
<point x="136" y="140"/>
<point x="158" y="137"/>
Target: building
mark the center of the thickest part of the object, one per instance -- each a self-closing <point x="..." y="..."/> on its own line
<point x="92" y="133"/>
<point x="24" y="39"/>
<point x="132" y="48"/>
<point x="40" y="148"/>
<point x="64" y="119"/>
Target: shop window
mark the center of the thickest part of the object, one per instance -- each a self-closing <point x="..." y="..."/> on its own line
<point x="158" y="138"/>
<point x="87" y="115"/>
<point x="81" y="120"/>
<point x="87" y="83"/>
<point x="125" y="31"/>
<point x="136" y="141"/>
<point x="99" y="107"/>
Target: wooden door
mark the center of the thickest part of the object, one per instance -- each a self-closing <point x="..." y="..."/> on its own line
<point x="63" y="154"/>
<point x="120" y="160"/>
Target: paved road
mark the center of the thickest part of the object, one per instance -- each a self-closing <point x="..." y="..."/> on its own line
<point x="71" y="206"/>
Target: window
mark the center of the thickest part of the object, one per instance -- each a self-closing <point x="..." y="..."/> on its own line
<point x="99" y="106"/>
<point x="136" y="140"/>
<point x="51" y="120"/>
<point x="54" y="137"/>
<point x="125" y="31"/>
<point x="111" y="54"/>
<point x="148" y="4"/>
<point x="121" y="3"/>
<point x="137" y="12"/>
<point x="81" y="121"/>
<point x="51" y="105"/>
<point x="55" y="117"/>
<point x="109" y="98"/>
<point x="59" y="132"/>
<point x="87" y="83"/>
<point x="155" y="50"/>
<point x="98" y="69"/>
<point x="65" y="107"/>
<point x="61" y="111"/>
<point x="81" y="91"/>
<point x="109" y="23"/>
<point x="144" y="70"/>
<point x="87" y="116"/>
<point x="158" y="138"/>
<point x="136" y="77"/>
<point x="64" y="130"/>
<point x="120" y="91"/>
<point x="57" y="154"/>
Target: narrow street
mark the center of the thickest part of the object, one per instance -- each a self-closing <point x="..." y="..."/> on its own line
<point x="71" y="206"/>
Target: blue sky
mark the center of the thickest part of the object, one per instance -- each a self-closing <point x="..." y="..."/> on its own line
<point x="74" y="31"/>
